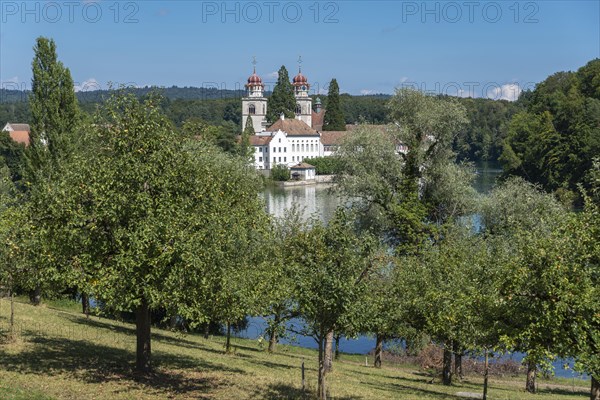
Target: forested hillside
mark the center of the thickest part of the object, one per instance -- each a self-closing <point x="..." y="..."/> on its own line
<point x="554" y="140"/>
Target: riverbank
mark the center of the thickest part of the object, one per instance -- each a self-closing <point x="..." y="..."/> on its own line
<point x="62" y="355"/>
<point x="328" y="179"/>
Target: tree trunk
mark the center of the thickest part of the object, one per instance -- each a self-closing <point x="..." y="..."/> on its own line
<point x="85" y="304"/>
<point x="173" y="322"/>
<point x="458" y="371"/>
<point x="485" y="375"/>
<point x="322" y="389"/>
<point x="272" y="341"/>
<point x="206" y="330"/>
<point x="337" y="347"/>
<point x="595" y="392"/>
<point x="531" y="371"/>
<point x="447" y="367"/>
<point x="329" y="351"/>
<point x="273" y="334"/>
<point x="378" y="351"/>
<point x="228" y="340"/>
<point x="35" y="296"/>
<point x="11" y="331"/>
<point x="142" y="331"/>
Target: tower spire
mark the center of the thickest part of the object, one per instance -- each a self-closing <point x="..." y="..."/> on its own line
<point x="254" y="63"/>
<point x="299" y="64"/>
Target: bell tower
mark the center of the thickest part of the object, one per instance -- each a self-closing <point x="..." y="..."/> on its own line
<point x="254" y="105"/>
<point x="303" y="101"/>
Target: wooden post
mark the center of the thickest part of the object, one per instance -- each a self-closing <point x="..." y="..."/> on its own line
<point x="485" y="376"/>
<point x="303" y="381"/>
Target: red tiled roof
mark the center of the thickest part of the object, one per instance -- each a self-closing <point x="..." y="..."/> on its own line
<point x="317" y="120"/>
<point x="20" y="137"/>
<point x="260" y="140"/>
<point x="332" y="138"/>
<point x="20" y="127"/>
<point x="303" y="165"/>
<point x="293" y="127"/>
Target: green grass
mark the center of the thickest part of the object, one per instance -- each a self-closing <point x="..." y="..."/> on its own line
<point x="62" y="355"/>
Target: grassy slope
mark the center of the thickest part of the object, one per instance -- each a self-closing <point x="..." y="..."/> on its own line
<point x="61" y="355"/>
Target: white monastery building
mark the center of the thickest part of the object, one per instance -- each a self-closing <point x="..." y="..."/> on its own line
<point x="289" y="141"/>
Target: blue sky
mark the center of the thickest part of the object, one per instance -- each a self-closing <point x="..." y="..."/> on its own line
<point x="480" y="48"/>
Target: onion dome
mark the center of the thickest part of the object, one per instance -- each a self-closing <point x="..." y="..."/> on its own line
<point x="254" y="80"/>
<point x="300" y="80"/>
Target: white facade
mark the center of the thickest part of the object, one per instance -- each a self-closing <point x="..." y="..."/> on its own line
<point x="283" y="148"/>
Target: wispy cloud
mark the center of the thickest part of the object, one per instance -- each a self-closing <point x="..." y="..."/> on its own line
<point x="273" y="75"/>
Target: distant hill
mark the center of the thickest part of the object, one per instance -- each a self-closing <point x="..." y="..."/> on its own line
<point x="172" y="93"/>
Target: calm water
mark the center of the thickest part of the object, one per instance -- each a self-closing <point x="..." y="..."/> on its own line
<point x="320" y="201"/>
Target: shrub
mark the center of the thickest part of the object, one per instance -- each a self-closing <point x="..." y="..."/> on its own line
<point x="280" y="173"/>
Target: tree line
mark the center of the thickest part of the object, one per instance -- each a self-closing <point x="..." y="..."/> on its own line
<point x="141" y="215"/>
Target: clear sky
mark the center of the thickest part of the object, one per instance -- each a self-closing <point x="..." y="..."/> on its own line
<point x="481" y="48"/>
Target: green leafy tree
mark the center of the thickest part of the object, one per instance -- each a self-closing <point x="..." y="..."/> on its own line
<point x="282" y="99"/>
<point x="332" y="265"/>
<point x="246" y="149"/>
<point x="334" y="117"/>
<point x="152" y="220"/>
<point x="519" y="212"/>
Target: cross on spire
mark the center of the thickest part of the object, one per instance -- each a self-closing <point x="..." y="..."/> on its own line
<point x="299" y="63"/>
<point x="254" y="63"/>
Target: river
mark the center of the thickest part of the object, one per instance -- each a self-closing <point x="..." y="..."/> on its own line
<point x="321" y="201"/>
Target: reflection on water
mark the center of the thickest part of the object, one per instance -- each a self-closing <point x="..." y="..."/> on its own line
<point x="311" y="200"/>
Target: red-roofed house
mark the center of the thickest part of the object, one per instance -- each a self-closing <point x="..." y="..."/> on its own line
<point x="18" y="132"/>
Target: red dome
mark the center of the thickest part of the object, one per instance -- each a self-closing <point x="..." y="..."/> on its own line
<point x="254" y="80"/>
<point x="299" y="80"/>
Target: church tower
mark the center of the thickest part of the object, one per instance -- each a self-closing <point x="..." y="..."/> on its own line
<point x="254" y="105"/>
<point x="303" y="101"/>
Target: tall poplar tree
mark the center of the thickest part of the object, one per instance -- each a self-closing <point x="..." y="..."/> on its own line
<point x="334" y="117"/>
<point x="282" y="100"/>
<point x="54" y="109"/>
<point x="54" y="120"/>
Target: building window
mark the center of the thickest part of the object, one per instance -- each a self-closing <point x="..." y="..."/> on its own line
<point x="279" y="148"/>
<point x="312" y="147"/>
<point x="251" y="109"/>
<point x="279" y="140"/>
<point x="274" y="159"/>
<point x="285" y="149"/>
<point x="279" y="159"/>
<point x="293" y="148"/>
<point x="298" y="109"/>
<point x="284" y="159"/>
<point x="264" y="109"/>
<point x="259" y="159"/>
<point x="302" y="146"/>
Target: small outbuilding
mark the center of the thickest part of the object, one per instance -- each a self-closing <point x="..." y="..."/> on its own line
<point x="303" y="171"/>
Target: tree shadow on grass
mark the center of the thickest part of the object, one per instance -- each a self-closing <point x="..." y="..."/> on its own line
<point x="95" y="363"/>
<point x="280" y="391"/>
<point x="405" y="389"/>
<point x="579" y="391"/>
<point x="129" y="332"/>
